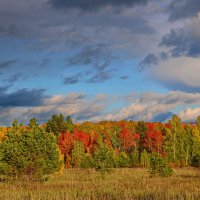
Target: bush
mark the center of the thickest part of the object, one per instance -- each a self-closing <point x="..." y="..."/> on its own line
<point x="195" y="161"/>
<point x="29" y="153"/>
<point x="78" y="154"/>
<point x="134" y="158"/>
<point x="88" y="162"/>
<point x="123" y="160"/>
<point x="104" y="159"/>
<point x="159" y="166"/>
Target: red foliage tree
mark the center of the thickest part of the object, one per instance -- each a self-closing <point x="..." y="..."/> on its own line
<point x="88" y="140"/>
<point x="65" y="143"/>
<point x="128" y="139"/>
<point x="153" y="139"/>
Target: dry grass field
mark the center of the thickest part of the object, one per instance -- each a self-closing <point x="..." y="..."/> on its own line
<point x="122" y="184"/>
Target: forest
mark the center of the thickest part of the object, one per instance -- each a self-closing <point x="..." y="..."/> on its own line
<point x="42" y="149"/>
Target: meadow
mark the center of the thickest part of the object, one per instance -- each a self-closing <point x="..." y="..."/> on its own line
<point x="126" y="184"/>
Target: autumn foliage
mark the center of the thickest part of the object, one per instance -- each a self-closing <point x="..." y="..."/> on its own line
<point x="125" y="143"/>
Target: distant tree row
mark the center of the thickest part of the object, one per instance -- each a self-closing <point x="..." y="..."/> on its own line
<point x="131" y="143"/>
<point x="43" y="149"/>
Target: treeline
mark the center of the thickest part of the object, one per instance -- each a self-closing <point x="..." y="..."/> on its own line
<point x="130" y="143"/>
<point x="43" y="149"/>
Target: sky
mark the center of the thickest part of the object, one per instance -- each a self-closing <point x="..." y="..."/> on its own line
<point x="99" y="60"/>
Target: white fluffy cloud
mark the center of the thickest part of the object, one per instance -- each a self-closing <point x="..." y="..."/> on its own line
<point x="78" y="105"/>
<point x="181" y="73"/>
<point x="145" y="106"/>
<point x="149" y="105"/>
<point x="190" y="114"/>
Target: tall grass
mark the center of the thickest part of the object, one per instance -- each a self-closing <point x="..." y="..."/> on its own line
<point x="123" y="184"/>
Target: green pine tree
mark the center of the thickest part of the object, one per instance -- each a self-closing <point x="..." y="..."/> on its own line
<point x="29" y="153"/>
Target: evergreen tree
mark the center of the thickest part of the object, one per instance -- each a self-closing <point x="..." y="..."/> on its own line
<point x="69" y="124"/>
<point x="141" y="129"/>
<point x="56" y="125"/>
<point x="159" y="166"/>
<point x="15" y="123"/>
<point x="33" y="123"/>
<point x="104" y="159"/>
<point x="30" y="153"/>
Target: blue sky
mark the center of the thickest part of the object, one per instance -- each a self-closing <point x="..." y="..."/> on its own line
<point x="99" y="60"/>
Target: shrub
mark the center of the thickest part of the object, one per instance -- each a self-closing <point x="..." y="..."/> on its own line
<point x="104" y="159"/>
<point x="123" y="160"/>
<point x="159" y="166"/>
<point x="195" y="161"/>
<point x="78" y="154"/>
<point x="29" y="153"/>
<point x="88" y="162"/>
<point x="134" y="158"/>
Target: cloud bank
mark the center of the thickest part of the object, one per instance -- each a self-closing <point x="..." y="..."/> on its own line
<point x="94" y="5"/>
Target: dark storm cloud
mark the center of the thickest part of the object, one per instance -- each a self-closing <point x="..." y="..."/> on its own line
<point x="14" y="78"/>
<point x="45" y="62"/>
<point x="164" y="55"/>
<point x="98" y="59"/>
<point x="100" y="77"/>
<point x="148" y="61"/>
<point x="124" y="77"/>
<point x="70" y="80"/>
<point x="7" y="63"/>
<point x="3" y="89"/>
<point x="93" y="5"/>
<point x="22" y="97"/>
<point x="85" y="57"/>
<point x="8" y="30"/>
<point x="180" y="86"/>
<point x="182" y="42"/>
<point x="180" y="9"/>
<point x="98" y="56"/>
